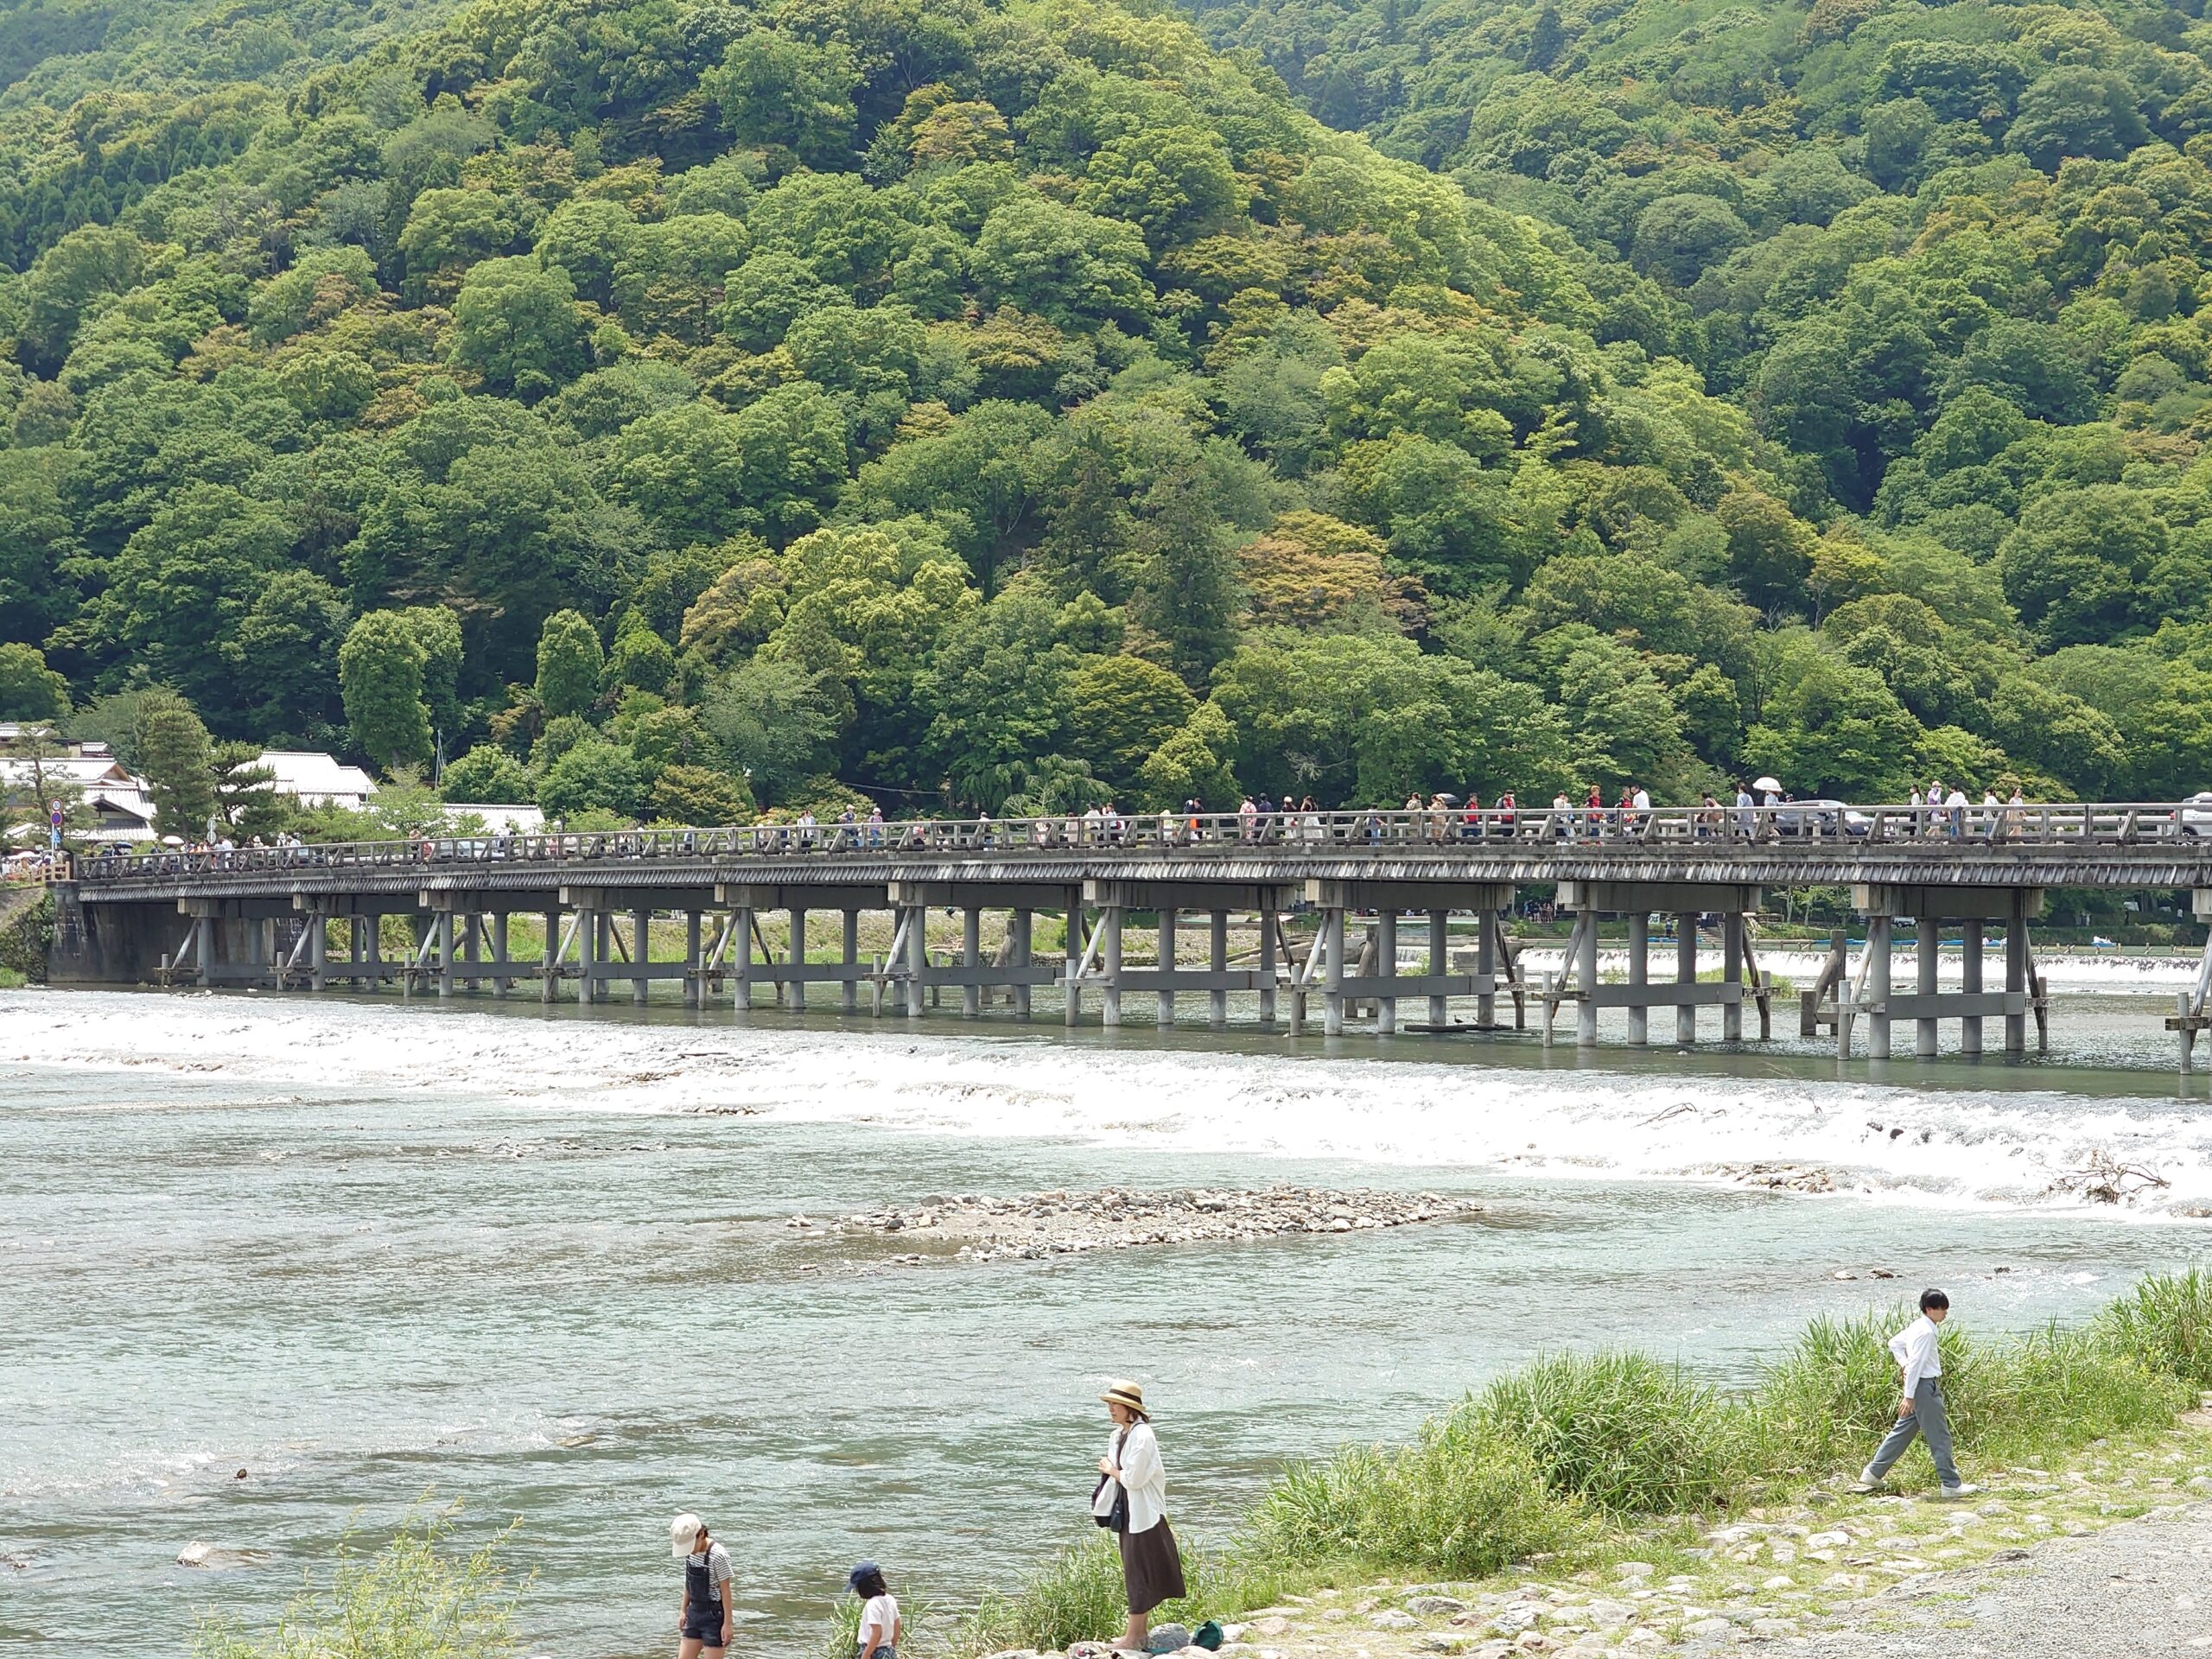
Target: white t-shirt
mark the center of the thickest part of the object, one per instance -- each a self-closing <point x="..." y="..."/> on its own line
<point x="880" y="1616"/>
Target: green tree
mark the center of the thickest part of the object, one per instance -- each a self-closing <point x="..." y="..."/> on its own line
<point x="245" y="794"/>
<point x="182" y="586"/>
<point x="1834" y="730"/>
<point x="772" y="89"/>
<point x="29" y="690"/>
<point x="2077" y="561"/>
<point x="517" y="324"/>
<point x="595" y="774"/>
<point x="380" y="670"/>
<point x="699" y="795"/>
<point x="177" y="759"/>
<point x="570" y="664"/>
<point x="772" y="724"/>
<point x="1193" y="763"/>
<point x="1120" y="710"/>
<point x="488" y="773"/>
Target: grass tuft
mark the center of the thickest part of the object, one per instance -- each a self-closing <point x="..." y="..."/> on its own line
<point x="2166" y="1323"/>
<point x="1620" y="1431"/>
<point x="1461" y="1500"/>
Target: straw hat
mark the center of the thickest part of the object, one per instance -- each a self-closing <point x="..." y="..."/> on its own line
<point x="684" y="1533"/>
<point x="1125" y="1393"/>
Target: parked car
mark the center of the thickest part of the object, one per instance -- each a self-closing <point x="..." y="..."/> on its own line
<point x="1807" y="819"/>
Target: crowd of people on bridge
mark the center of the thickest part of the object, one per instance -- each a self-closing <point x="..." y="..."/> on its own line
<point x="1758" y="811"/>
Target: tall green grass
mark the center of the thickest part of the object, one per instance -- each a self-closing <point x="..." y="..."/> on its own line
<point x="413" y="1598"/>
<point x="2166" y="1322"/>
<point x="1543" y="1459"/>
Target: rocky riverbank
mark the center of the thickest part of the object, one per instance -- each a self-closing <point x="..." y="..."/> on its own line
<point x="976" y="1227"/>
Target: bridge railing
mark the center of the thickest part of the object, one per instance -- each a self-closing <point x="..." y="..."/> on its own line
<point x="1809" y="826"/>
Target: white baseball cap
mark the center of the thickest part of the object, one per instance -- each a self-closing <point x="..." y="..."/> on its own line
<point x="684" y="1533"/>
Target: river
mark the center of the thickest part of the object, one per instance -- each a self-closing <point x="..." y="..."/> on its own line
<point x="275" y="1267"/>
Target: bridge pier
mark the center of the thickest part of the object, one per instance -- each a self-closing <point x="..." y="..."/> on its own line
<point x="1439" y="963"/>
<point x="849" y="958"/>
<point x="1928" y="1005"/>
<point x="791" y="990"/>
<point x="971" y="958"/>
<point x="1218" y="965"/>
<point x="1386" y="969"/>
<point x="1639" y="975"/>
<point x="1685" y="973"/>
<point x="1332" y="971"/>
<point x="1687" y="900"/>
<point x="1110" y="965"/>
<point x="1166" y="992"/>
<point x="1072" y="951"/>
<point x="1383" y="984"/>
<point x="1269" y="926"/>
<point x="1021" y="936"/>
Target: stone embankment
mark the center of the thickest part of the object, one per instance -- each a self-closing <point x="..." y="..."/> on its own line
<point x="973" y="1227"/>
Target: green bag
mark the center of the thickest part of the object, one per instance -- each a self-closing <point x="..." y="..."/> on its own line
<point x="1207" y="1636"/>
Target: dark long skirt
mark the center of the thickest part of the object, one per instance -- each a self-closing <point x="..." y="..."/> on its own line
<point x="1152" y="1568"/>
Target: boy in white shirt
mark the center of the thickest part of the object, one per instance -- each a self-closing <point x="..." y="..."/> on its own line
<point x="1920" y="1404"/>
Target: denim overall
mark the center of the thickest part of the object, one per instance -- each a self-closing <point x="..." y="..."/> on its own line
<point x="702" y="1617"/>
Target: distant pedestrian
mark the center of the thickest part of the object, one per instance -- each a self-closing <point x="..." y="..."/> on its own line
<point x="1132" y="1502"/>
<point x="1918" y="1351"/>
<point x="879" y="1626"/>
<point x="1955" y="809"/>
<point x="708" y="1610"/>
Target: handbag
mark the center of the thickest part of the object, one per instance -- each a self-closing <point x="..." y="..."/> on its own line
<point x="1117" y="1518"/>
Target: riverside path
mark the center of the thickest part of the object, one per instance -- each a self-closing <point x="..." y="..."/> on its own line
<point x="1368" y="888"/>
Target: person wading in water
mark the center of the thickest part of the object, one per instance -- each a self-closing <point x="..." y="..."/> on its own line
<point x="703" y="1621"/>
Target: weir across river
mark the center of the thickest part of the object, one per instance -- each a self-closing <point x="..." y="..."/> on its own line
<point x="1363" y="885"/>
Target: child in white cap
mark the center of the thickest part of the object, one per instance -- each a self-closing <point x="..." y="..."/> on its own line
<point x="703" y="1621"/>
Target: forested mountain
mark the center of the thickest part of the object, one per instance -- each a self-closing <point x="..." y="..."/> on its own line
<point x="684" y="406"/>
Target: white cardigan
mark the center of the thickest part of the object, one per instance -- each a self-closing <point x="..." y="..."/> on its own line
<point x="1135" y="1452"/>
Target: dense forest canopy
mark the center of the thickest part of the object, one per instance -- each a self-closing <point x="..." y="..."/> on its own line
<point x="680" y="408"/>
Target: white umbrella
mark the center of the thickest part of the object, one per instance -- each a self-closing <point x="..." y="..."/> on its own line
<point x="1766" y="785"/>
<point x="172" y="840"/>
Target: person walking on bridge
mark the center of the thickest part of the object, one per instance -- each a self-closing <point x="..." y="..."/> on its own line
<point x="1918" y="1352"/>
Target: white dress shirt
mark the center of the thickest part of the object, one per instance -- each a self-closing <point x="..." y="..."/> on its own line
<point x="1916" y="1353"/>
<point x="1135" y="1452"/>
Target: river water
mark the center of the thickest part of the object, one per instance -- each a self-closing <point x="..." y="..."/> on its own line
<point x="535" y="1261"/>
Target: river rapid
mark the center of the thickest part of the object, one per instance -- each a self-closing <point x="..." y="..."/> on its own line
<point x="272" y="1268"/>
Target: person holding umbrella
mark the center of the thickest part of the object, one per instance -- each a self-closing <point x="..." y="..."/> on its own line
<point x="1769" y="792"/>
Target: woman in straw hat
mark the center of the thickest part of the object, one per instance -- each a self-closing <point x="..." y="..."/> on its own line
<point x="705" y="1620"/>
<point x="1152" y="1569"/>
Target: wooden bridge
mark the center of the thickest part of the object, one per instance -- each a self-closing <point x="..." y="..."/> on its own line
<point x="310" y="917"/>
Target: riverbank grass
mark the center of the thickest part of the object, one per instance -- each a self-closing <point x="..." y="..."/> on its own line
<point x="1576" y="1465"/>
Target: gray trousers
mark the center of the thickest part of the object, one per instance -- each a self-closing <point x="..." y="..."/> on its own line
<point x="1926" y="1419"/>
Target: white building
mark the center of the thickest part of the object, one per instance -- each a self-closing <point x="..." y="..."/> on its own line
<point x="313" y="778"/>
